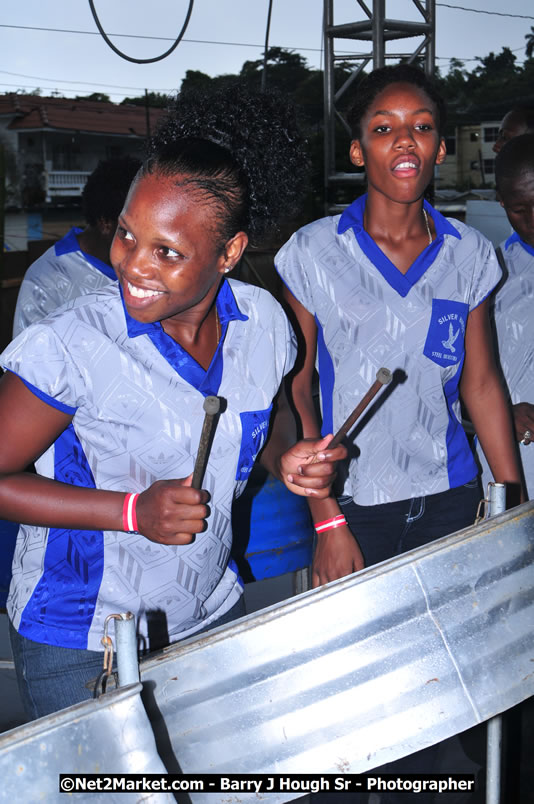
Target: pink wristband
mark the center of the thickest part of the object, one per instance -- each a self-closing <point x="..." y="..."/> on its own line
<point x="129" y="515"/>
<point x="328" y="524"/>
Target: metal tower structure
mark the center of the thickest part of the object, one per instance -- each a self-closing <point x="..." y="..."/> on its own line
<point x="375" y="28"/>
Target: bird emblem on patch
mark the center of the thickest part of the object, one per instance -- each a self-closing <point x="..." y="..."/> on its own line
<point x="448" y="344"/>
<point x="444" y="343"/>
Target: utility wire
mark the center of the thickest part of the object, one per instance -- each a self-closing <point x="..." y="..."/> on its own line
<point x="60" y="90"/>
<point x="86" y="83"/>
<point x="131" y="58"/>
<point x="162" y="90"/>
<point x="155" y="38"/>
<point x="218" y="42"/>
<point x="207" y="42"/>
<point x="483" y="11"/>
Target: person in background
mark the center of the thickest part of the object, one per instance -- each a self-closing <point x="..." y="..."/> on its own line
<point x="78" y="263"/>
<point x="107" y="394"/>
<point x="514" y="298"/>
<point x="517" y="121"/>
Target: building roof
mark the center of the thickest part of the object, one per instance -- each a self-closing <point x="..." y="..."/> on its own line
<point x="97" y="117"/>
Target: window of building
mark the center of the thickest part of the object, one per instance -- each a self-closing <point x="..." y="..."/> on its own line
<point x="491" y="134"/>
<point x="489" y="166"/>
<point x="66" y="156"/>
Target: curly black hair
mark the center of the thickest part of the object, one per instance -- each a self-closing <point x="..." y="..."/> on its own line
<point x="373" y="83"/>
<point x="243" y="148"/>
<point x="106" y="188"/>
<point x="515" y="158"/>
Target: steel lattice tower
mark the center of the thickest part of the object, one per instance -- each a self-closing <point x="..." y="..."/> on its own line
<point x="375" y="28"/>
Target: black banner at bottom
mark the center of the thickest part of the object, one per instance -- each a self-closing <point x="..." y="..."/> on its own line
<point x="292" y="783"/>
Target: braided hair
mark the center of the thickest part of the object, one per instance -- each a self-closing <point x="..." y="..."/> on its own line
<point x="241" y="148"/>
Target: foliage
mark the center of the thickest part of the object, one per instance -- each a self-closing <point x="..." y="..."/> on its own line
<point x="156" y="99"/>
<point x="95" y="96"/>
<point x="495" y="85"/>
<point x="285" y="70"/>
<point x="36" y="91"/>
<point x="485" y="92"/>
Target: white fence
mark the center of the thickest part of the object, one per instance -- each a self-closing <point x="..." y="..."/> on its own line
<point x="65" y="183"/>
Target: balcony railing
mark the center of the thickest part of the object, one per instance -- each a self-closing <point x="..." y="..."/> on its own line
<point x="65" y="183"/>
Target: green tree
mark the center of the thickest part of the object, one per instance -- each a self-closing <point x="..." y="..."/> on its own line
<point x="285" y="70"/>
<point x="95" y="96"/>
<point x="497" y="66"/>
<point x="196" y="79"/>
<point x="155" y="99"/>
<point x="529" y="47"/>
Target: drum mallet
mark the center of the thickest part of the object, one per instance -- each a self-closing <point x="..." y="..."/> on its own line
<point x="212" y="405"/>
<point x="383" y="377"/>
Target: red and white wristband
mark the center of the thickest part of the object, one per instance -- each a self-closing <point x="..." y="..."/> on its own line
<point x="329" y="524"/>
<point x="129" y="516"/>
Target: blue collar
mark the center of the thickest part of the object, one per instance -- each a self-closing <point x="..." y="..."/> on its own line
<point x="352" y="218"/>
<point x="69" y="243"/>
<point x="514" y="238"/>
<point x="207" y="382"/>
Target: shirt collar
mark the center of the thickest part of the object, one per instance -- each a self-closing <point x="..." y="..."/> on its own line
<point x="352" y="218"/>
<point x="69" y="244"/>
<point x="514" y="238"/>
<point x="227" y="309"/>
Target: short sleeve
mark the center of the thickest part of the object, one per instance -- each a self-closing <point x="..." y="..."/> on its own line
<point x="274" y="330"/>
<point x="293" y="263"/>
<point x="40" y="358"/>
<point x="39" y="294"/>
<point x="290" y="342"/>
<point x="487" y="272"/>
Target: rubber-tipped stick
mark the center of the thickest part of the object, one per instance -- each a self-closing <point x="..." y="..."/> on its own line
<point x="383" y="377"/>
<point x="212" y="405"/>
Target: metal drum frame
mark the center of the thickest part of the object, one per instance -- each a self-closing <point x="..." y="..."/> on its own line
<point x="360" y="672"/>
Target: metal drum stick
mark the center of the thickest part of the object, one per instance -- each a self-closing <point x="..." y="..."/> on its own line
<point x="383" y="377"/>
<point x="212" y="405"/>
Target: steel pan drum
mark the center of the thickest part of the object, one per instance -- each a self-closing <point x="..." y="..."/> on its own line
<point x="360" y="672"/>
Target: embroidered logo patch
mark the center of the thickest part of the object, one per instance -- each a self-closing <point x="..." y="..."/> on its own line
<point x="254" y="427"/>
<point x="446" y="332"/>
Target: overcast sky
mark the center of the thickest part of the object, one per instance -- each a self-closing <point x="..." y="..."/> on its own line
<point x="222" y="34"/>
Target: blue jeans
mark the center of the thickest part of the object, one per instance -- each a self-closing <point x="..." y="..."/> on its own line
<point x="388" y="530"/>
<point x="51" y="678"/>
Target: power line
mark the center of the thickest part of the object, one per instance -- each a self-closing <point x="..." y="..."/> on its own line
<point x="476" y="58"/>
<point x="234" y="44"/>
<point x="162" y="90"/>
<point x="86" y="83"/>
<point x="70" y="89"/>
<point x="195" y="41"/>
<point x="155" y="38"/>
<point x="483" y="11"/>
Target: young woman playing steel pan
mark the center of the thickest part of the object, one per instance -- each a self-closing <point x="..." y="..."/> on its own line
<point x="106" y="395"/>
<point x="393" y="283"/>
